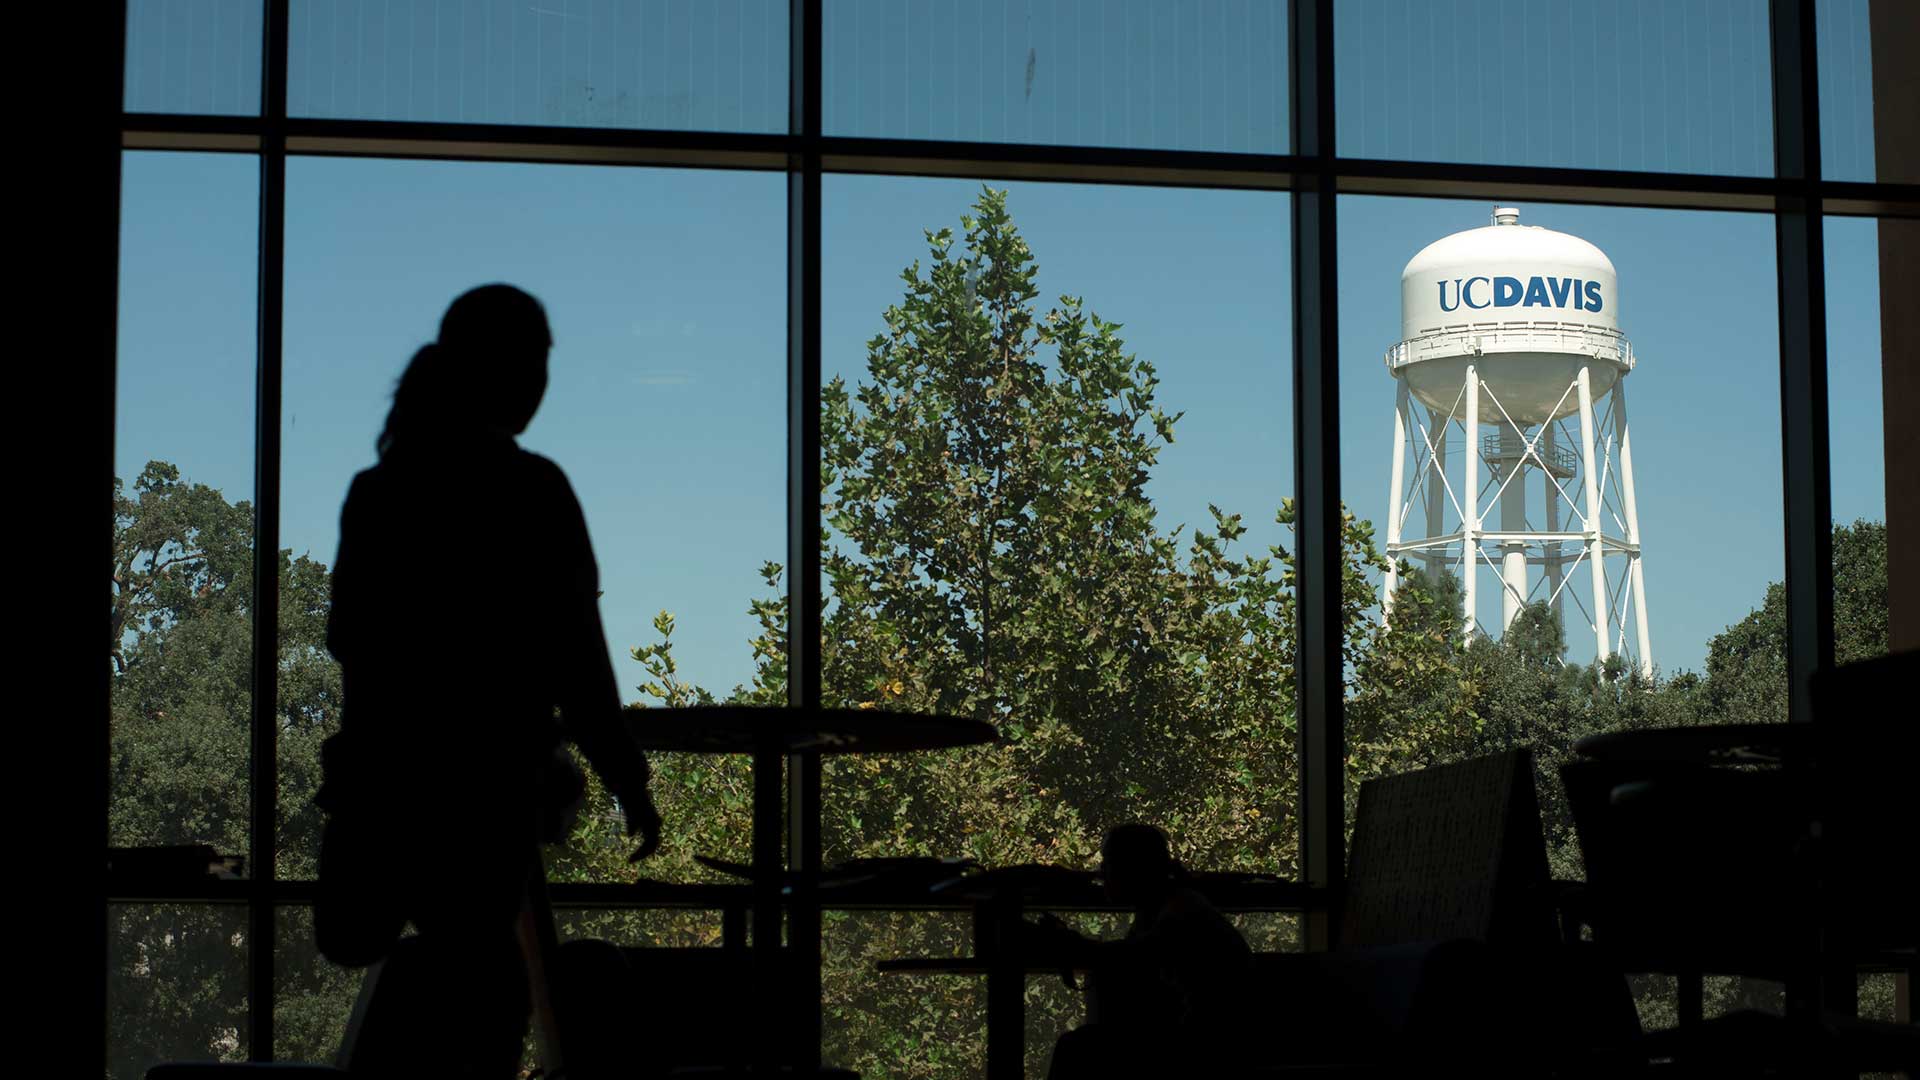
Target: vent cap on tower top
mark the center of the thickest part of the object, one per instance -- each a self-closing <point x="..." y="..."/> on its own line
<point x="1506" y="215"/>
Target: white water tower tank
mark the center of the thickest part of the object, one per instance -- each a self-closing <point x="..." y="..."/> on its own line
<point x="1526" y="305"/>
<point x="1511" y="371"/>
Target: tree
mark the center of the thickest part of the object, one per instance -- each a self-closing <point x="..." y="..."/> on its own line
<point x="181" y="650"/>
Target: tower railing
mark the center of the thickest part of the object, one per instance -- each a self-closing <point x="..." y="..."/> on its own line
<point x="1501" y="453"/>
<point x="1478" y="339"/>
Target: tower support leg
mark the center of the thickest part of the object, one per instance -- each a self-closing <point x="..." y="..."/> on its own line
<point x="1470" y="503"/>
<point x="1396" y="499"/>
<point x="1513" y="519"/>
<point x="1637" y="578"/>
<point x="1596" y="552"/>
<point x="1550" y="493"/>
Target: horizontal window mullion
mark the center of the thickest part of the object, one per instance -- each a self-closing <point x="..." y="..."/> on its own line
<point x="1011" y="161"/>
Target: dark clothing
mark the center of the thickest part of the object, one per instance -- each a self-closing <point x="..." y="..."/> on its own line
<point x="1164" y="1000"/>
<point x="465" y="611"/>
<point x="1184" y="964"/>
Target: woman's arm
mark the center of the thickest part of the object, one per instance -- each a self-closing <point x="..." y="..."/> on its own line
<point x="589" y="697"/>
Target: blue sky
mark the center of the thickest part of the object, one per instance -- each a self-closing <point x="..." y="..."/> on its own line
<point x="667" y="288"/>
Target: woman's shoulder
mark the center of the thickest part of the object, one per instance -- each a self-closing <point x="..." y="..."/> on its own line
<point x="542" y="479"/>
<point x="539" y="465"/>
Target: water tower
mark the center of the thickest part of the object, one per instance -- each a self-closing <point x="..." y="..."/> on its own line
<point x="1510" y="438"/>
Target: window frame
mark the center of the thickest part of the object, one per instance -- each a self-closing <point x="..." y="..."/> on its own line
<point x="1797" y="196"/>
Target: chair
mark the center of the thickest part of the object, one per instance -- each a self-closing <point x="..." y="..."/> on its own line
<point x="1447" y="946"/>
<point x="1793" y="869"/>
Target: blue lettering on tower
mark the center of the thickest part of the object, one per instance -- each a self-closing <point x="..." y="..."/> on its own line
<point x="1536" y="291"/>
<point x="1466" y="293"/>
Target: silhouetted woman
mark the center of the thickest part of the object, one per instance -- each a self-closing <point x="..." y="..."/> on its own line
<point x="465" y="611"/>
<point x="1165" y="999"/>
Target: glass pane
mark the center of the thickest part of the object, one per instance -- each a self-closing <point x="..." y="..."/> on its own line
<point x="666" y="293"/>
<point x="680" y="64"/>
<point x="1269" y="931"/>
<point x="312" y="997"/>
<point x="1878" y="997"/>
<point x="650" y="928"/>
<point x="1184" y="75"/>
<point x="1659" y="85"/>
<point x="1027" y="433"/>
<point x="183" y="522"/>
<point x="1856" y="435"/>
<point x="1868" y="109"/>
<point x="1466" y="457"/>
<point x="176" y="985"/>
<point x="1099" y="581"/>
<point x="194" y="56"/>
<point x="901" y="1024"/>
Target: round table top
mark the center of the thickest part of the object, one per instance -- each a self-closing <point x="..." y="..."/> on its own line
<point x="1709" y="744"/>
<point x="931" y="870"/>
<point x="1018" y="880"/>
<point x="744" y="729"/>
<point x="1030" y="963"/>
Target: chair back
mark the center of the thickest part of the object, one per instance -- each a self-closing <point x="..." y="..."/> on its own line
<point x="1869" y="754"/>
<point x="1712" y="860"/>
<point x="1449" y="852"/>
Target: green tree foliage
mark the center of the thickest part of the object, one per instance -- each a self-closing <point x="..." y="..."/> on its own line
<point x="181" y="650"/>
<point x="992" y="552"/>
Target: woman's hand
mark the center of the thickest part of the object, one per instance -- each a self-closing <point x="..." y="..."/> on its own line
<point x="563" y="795"/>
<point x="643" y="820"/>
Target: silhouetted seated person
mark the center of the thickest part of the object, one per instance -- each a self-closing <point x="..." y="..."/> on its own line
<point x="1163" y="1000"/>
<point x="465" y="612"/>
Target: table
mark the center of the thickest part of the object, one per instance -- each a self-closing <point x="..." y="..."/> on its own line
<point x="1824" y="806"/>
<point x="1712" y="744"/>
<point x="771" y="733"/>
<point x="1771" y="761"/>
<point x="1001" y="898"/>
<point x="743" y="729"/>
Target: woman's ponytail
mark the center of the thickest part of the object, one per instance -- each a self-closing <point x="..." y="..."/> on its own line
<point x="421" y="391"/>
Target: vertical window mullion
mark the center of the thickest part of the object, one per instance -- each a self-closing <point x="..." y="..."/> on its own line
<point x="1316" y="401"/>
<point x="1801" y="266"/>
<point x="804" y="677"/>
<point x="86" y="478"/>
<point x="264" y="769"/>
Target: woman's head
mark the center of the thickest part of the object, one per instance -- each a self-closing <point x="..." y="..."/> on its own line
<point x="487" y="370"/>
<point x="1136" y="864"/>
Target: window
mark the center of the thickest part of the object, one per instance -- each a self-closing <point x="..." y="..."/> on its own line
<point x="176" y="985"/>
<point x="1857" y="441"/>
<point x="572" y="63"/>
<point x="183" y="527"/>
<point x="704" y="237"/>
<point x="1191" y="75"/>
<point x="1617" y="84"/>
<point x="664" y="407"/>
<point x="193" y="56"/>
<point x="1058" y="467"/>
